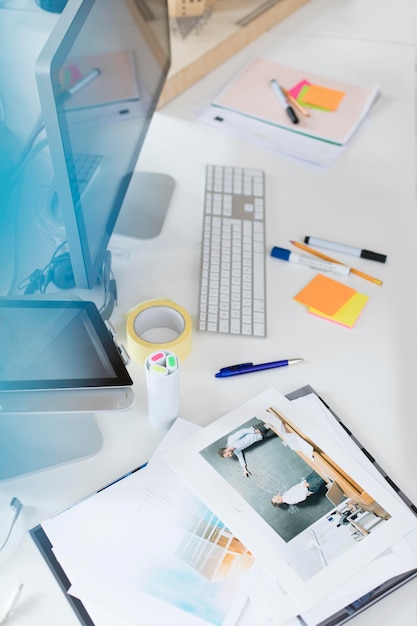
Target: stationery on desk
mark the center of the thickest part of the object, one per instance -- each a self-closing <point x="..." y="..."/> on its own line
<point x="324" y="266"/>
<point x="362" y="253"/>
<point x="283" y="98"/>
<point x="323" y="296"/>
<point x="147" y="546"/>
<point x="248" y="368"/>
<point x="329" y="259"/>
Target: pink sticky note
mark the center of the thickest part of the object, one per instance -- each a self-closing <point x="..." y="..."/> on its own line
<point x="294" y="91"/>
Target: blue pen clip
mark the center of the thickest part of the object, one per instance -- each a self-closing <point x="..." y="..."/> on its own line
<point x="231" y="368"/>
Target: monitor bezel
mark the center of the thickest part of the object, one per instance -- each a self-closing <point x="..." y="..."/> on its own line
<point x="59" y="44"/>
<point x="86" y="269"/>
<point x="120" y="377"/>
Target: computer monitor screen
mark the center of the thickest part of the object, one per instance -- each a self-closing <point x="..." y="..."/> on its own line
<point x="56" y="344"/>
<point x="99" y="78"/>
<point x="58" y="364"/>
<point x="58" y="355"/>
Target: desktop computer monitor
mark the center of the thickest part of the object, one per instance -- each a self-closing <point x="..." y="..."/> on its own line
<point x="99" y="78"/>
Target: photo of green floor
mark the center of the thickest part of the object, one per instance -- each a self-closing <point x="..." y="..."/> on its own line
<point x="273" y="468"/>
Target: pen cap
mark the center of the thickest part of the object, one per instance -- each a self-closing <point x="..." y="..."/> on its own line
<point x="163" y="386"/>
<point x="280" y="253"/>
<point x="373" y="256"/>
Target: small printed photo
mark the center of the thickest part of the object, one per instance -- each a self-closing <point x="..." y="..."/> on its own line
<point x="315" y="507"/>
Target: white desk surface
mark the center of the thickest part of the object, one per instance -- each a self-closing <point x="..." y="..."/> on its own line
<point x="368" y="198"/>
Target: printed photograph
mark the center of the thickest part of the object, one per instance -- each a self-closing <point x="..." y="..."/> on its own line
<point x="315" y="507"/>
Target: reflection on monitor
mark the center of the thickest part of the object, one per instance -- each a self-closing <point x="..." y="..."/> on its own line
<point x="99" y="78"/>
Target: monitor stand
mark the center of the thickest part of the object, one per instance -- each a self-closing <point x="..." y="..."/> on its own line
<point x="145" y="205"/>
<point x="30" y="442"/>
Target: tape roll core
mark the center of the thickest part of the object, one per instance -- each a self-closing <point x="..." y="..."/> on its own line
<point x="152" y="324"/>
<point x="158" y="324"/>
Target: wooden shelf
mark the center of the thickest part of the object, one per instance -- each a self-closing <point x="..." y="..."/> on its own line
<point x="229" y="26"/>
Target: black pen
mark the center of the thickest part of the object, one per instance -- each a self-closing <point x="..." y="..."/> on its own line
<point x="247" y="368"/>
<point x="284" y="102"/>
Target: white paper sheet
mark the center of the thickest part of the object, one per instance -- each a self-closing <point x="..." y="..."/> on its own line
<point x="80" y="533"/>
<point x="128" y="551"/>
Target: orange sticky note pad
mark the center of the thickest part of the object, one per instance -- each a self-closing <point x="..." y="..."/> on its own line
<point x="348" y="312"/>
<point x="325" y="294"/>
<point x="323" y="97"/>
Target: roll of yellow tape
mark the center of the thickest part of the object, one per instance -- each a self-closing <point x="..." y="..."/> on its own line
<point x="158" y="325"/>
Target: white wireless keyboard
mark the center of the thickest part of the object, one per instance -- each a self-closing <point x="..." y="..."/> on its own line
<point x="232" y="275"/>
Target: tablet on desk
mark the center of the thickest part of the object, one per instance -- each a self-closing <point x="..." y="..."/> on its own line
<point x="58" y="355"/>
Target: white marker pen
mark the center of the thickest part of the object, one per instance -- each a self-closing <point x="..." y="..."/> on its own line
<point x="340" y="247"/>
<point x="284" y="102"/>
<point x="315" y="264"/>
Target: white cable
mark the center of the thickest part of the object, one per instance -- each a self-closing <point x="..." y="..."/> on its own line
<point x="12" y="603"/>
<point x="18" y="506"/>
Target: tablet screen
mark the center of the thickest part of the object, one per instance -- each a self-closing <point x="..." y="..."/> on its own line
<point x="56" y="344"/>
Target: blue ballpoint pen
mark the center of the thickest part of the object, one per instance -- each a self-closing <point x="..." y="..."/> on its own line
<point x="247" y="368"/>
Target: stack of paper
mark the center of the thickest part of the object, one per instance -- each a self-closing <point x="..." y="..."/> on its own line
<point x="145" y="550"/>
<point x="248" y="105"/>
<point x="332" y="300"/>
<point x="326" y="556"/>
<point x="158" y="546"/>
<point x="338" y="107"/>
